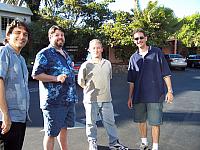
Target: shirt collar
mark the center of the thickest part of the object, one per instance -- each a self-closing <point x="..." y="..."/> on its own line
<point x="10" y="48"/>
<point x="150" y="49"/>
<point x="51" y="47"/>
<point x="101" y="62"/>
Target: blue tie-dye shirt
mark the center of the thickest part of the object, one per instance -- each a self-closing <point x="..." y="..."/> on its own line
<point x="55" y="94"/>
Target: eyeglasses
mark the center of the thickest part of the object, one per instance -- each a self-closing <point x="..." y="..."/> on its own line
<point x="137" y="38"/>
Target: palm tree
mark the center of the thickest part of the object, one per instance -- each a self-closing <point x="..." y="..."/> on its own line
<point x="136" y="9"/>
<point x="136" y="5"/>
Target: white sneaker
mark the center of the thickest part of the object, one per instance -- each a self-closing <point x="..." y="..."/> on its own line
<point x="118" y="146"/>
<point x="93" y="145"/>
<point x="143" y="146"/>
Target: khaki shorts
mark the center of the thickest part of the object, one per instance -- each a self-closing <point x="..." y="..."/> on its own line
<point x="151" y="112"/>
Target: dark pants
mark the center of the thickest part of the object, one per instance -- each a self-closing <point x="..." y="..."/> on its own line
<point x="14" y="138"/>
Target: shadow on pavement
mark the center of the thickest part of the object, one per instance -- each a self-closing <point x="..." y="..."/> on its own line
<point x="107" y="148"/>
<point x="120" y="88"/>
<point x="190" y="117"/>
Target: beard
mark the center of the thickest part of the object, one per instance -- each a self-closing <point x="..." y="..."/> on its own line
<point x="59" y="43"/>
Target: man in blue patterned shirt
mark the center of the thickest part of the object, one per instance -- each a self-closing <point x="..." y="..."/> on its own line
<point x="54" y="69"/>
<point x="14" y="93"/>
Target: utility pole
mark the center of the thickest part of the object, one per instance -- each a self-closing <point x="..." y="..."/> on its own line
<point x="136" y="5"/>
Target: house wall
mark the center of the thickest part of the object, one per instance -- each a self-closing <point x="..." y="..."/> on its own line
<point x="112" y="57"/>
<point x="11" y="11"/>
<point x="167" y="50"/>
<point x="118" y="66"/>
<point x="12" y="15"/>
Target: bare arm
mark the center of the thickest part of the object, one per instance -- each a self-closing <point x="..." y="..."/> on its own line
<point x="6" y="122"/>
<point x="130" y="96"/>
<point x="169" y="95"/>
<point x="49" y="78"/>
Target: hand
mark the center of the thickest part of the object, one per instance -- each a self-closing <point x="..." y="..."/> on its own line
<point x="6" y="124"/>
<point x="72" y="64"/>
<point x="130" y="103"/>
<point x="61" y="78"/>
<point x="169" y="98"/>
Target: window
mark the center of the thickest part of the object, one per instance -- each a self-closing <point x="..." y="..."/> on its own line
<point x="5" y="21"/>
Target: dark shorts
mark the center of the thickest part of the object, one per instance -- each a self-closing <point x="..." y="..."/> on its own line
<point x="14" y="138"/>
<point x="57" y="118"/>
<point x="148" y="111"/>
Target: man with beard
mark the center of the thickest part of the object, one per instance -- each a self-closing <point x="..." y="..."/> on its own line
<point x="14" y="93"/>
<point x="54" y="69"/>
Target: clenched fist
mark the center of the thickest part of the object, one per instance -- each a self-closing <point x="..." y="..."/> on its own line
<point x="61" y="78"/>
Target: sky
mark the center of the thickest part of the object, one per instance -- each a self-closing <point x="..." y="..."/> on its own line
<point x="181" y="8"/>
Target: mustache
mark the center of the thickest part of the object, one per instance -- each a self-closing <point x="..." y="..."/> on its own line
<point x="60" y="40"/>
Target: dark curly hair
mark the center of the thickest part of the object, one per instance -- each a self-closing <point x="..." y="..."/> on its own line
<point x="15" y="23"/>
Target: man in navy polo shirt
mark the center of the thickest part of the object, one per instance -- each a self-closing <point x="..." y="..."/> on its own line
<point x="147" y="73"/>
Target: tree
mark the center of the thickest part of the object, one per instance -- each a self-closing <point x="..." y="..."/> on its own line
<point x="117" y="30"/>
<point x="189" y="34"/>
<point x="34" y="6"/>
<point x="81" y="20"/>
<point x="76" y="12"/>
<point x="159" y="22"/>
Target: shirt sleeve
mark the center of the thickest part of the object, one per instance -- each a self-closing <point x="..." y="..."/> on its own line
<point x="4" y="62"/>
<point x="81" y="75"/>
<point x="131" y="71"/>
<point x="110" y="65"/>
<point x="40" y="64"/>
<point x="165" y="70"/>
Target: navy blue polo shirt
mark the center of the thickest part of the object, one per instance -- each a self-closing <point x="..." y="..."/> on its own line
<point x="147" y="75"/>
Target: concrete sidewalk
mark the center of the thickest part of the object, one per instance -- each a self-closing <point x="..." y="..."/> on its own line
<point x="180" y="131"/>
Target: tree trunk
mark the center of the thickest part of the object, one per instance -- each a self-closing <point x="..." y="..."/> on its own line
<point x="34" y="6"/>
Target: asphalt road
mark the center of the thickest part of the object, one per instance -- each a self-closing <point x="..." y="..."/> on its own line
<point x="180" y="131"/>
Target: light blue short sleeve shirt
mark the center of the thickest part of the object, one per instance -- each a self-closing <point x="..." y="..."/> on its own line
<point x="14" y="72"/>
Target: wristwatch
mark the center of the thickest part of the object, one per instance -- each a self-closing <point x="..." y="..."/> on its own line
<point x="170" y="91"/>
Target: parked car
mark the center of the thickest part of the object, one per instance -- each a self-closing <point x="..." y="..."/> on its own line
<point x="30" y="68"/>
<point x="176" y="61"/>
<point x="193" y="60"/>
<point x="77" y="66"/>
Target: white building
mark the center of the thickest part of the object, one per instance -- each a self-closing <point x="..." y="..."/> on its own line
<point x="8" y="13"/>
